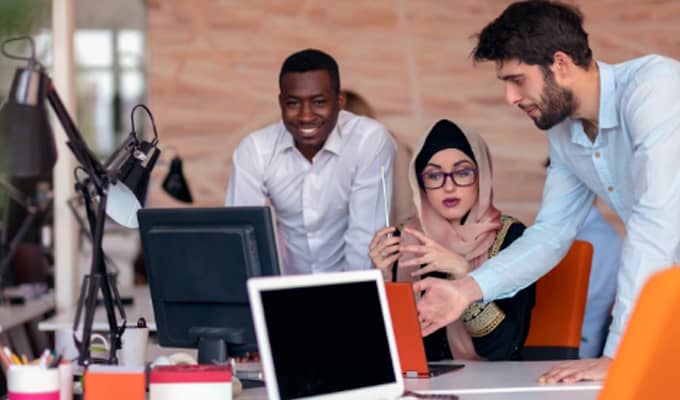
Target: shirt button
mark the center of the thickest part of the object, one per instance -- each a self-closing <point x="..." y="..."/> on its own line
<point x="610" y="188"/>
<point x="597" y="154"/>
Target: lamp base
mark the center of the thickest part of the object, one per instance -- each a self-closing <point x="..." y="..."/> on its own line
<point x="87" y="303"/>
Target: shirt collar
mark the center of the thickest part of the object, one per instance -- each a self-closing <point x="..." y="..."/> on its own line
<point x="608" y="116"/>
<point x="333" y="142"/>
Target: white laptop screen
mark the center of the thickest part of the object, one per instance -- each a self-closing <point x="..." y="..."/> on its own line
<point x="327" y="338"/>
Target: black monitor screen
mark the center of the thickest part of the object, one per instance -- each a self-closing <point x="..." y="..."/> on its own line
<point x="327" y="339"/>
<point x="198" y="261"/>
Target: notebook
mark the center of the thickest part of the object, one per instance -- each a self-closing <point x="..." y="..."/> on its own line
<point x="410" y="345"/>
<point x="326" y="336"/>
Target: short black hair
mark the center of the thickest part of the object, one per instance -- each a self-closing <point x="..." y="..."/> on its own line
<point x="532" y="31"/>
<point x="311" y="60"/>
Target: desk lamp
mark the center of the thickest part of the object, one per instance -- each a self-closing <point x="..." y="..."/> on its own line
<point x="122" y="179"/>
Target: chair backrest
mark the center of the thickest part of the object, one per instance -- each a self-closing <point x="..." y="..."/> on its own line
<point x="557" y="317"/>
<point x="646" y="364"/>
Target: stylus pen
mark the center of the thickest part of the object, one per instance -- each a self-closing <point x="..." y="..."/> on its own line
<point x="384" y="193"/>
<point x="387" y="216"/>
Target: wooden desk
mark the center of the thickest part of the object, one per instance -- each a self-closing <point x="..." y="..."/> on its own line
<point x="489" y="381"/>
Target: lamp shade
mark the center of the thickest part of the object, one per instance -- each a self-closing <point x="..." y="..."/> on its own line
<point x="28" y="147"/>
<point x="175" y="184"/>
<point x="128" y="192"/>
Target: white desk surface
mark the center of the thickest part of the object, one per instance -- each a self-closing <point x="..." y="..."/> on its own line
<point x="141" y="307"/>
<point x="511" y="380"/>
<point x="15" y="315"/>
<point x="500" y="377"/>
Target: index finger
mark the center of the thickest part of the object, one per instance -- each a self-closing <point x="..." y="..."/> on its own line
<point x="419" y="235"/>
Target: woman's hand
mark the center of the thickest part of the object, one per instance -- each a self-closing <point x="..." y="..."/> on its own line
<point x="384" y="248"/>
<point x="434" y="256"/>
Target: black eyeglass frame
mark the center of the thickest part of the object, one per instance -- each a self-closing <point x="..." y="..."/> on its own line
<point x="449" y="175"/>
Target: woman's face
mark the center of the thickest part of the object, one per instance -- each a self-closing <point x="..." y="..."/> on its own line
<point x="454" y="199"/>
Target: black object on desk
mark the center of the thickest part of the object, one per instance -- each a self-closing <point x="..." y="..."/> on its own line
<point x="198" y="261"/>
<point x="123" y="179"/>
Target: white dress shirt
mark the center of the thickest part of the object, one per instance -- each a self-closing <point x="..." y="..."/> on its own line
<point x="329" y="209"/>
<point x="632" y="165"/>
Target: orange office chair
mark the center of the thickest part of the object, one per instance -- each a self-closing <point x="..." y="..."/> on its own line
<point x="555" y="330"/>
<point x="646" y="364"/>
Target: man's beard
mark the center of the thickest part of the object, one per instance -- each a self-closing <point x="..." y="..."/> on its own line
<point x="557" y="103"/>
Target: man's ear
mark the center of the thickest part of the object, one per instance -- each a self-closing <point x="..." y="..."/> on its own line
<point x="562" y="66"/>
<point x="341" y="100"/>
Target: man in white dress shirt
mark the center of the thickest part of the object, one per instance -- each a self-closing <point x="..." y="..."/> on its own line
<point x="613" y="132"/>
<point x="320" y="169"/>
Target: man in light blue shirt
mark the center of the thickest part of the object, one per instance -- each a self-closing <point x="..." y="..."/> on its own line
<point x="602" y="285"/>
<point x="613" y="132"/>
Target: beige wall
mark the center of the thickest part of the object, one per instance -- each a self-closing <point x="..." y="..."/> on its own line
<point x="213" y="68"/>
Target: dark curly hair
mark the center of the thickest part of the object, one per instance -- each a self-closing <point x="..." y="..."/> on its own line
<point x="531" y="32"/>
<point x="311" y="60"/>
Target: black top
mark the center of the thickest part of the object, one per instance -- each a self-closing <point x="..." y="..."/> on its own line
<point x="504" y="342"/>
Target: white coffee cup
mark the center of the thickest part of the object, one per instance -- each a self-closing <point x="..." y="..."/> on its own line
<point x="133" y="346"/>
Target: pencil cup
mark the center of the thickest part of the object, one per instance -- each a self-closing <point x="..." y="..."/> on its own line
<point x="133" y="346"/>
<point x="32" y="382"/>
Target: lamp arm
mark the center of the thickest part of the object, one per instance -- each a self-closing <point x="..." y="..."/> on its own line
<point x="96" y="215"/>
<point x="89" y="162"/>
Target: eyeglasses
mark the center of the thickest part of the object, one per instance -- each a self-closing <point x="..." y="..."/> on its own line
<point x="461" y="177"/>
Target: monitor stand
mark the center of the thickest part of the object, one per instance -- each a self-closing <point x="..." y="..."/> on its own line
<point x="214" y="343"/>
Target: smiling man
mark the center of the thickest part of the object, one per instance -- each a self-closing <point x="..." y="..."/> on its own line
<point x="613" y="131"/>
<point x="320" y="169"/>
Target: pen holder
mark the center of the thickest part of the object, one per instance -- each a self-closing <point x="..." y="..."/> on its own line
<point x="133" y="351"/>
<point x="32" y="382"/>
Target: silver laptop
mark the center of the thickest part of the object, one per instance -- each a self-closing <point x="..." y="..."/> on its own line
<point x="326" y="336"/>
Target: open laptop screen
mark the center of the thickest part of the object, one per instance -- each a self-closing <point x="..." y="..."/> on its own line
<point x="327" y="338"/>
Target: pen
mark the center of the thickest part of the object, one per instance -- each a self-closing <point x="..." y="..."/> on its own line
<point x="5" y="360"/>
<point x="12" y="356"/>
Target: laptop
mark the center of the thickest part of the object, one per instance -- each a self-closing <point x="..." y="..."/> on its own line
<point x="404" y="314"/>
<point x="326" y="336"/>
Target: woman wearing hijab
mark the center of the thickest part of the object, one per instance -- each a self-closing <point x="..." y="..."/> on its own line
<point x="455" y="229"/>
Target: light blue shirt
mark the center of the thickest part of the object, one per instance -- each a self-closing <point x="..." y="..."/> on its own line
<point x="633" y="165"/>
<point x="602" y="285"/>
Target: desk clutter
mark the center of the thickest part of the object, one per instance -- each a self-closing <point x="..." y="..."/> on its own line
<point x="165" y="382"/>
<point x="50" y="377"/>
<point x="46" y="378"/>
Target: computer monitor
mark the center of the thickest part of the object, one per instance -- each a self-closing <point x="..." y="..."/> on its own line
<point x="198" y="261"/>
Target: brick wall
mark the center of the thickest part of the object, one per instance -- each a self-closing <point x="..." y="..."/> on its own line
<point x="213" y="67"/>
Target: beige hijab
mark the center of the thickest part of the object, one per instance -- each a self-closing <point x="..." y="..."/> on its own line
<point x="472" y="240"/>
